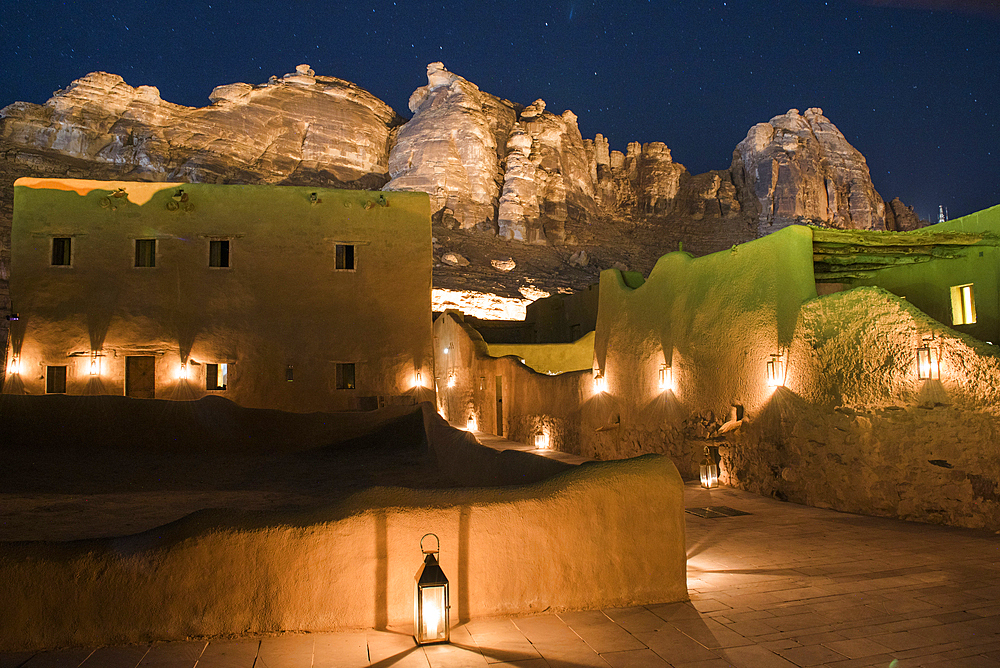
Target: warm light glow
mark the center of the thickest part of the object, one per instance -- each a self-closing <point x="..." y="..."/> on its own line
<point x="600" y="383"/>
<point x="446" y="350"/>
<point x="472" y="425"/>
<point x="183" y="373"/>
<point x="776" y="371"/>
<point x="95" y="365"/>
<point x="451" y="380"/>
<point x="418" y="379"/>
<point x="666" y="378"/>
<point x="542" y="441"/>
<point x="15" y="365"/>
<point x="480" y="305"/>
<point x="928" y="367"/>
<point x="709" y="471"/>
<point x="432" y="600"/>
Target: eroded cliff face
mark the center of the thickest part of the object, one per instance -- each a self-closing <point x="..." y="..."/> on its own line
<point x="799" y="168"/>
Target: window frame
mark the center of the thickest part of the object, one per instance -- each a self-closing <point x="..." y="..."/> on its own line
<point x="353" y="253"/>
<point x="52" y="251"/>
<point x="213" y="369"/>
<point x="963" y="304"/>
<point x="54" y="380"/>
<point x="228" y="252"/>
<point x="345" y="376"/>
<point x="152" y="256"/>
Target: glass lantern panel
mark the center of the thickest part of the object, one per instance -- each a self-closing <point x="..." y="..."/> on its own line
<point x="432" y="614"/>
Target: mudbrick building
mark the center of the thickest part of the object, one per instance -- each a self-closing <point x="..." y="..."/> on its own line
<point x="294" y="298"/>
<point x="846" y="369"/>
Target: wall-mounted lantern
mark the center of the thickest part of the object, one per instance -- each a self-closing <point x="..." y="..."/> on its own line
<point x="600" y="383"/>
<point x="184" y="373"/>
<point x="418" y="379"/>
<point x="430" y="599"/>
<point x="451" y="379"/>
<point x="928" y="366"/>
<point x="709" y="470"/>
<point x="776" y="370"/>
<point x="15" y="365"/>
<point x="542" y="440"/>
<point x="472" y="425"/>
<point x="665" y="380"/>
<point x="95" y="364"/>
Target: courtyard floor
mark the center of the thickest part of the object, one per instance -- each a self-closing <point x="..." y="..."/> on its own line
<point x="782" y="586"/>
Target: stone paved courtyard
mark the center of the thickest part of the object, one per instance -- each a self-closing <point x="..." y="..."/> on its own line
<point x="786" y="585"/>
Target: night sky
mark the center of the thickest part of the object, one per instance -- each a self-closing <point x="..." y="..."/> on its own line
<point x="912" y="84"/>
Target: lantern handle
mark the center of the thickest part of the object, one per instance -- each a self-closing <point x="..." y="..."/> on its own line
<point x="437" y="551"/>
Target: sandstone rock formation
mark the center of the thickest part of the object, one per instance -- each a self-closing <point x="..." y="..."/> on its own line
<point x="298" y="129"/>
<point x="800" y="169"/>
<point x="449" y="148"/>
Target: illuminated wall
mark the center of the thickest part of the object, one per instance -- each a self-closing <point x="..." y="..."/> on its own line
<point x="321" y="301"/>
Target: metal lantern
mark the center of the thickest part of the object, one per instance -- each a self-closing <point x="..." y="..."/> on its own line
<point x="776" y="370"/>
<point x="666" y="378"/>
<point x="430" y="599"/>
<point x="927" y="363"/>
<point x="709" y="470"/>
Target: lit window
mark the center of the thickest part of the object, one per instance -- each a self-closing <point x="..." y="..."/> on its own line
<point x="963" y="305"/>
<point x="55" y="380"/>
<point x="145" y="252"/>
<point x="62" y="253"/>
<point x="345" y="376"/>
<point x="345" y="256"/>
<point x="216" y="376"/>
<point x="218" y="253"/>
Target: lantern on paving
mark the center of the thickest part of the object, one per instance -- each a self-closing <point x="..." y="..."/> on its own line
<point x="709" y="470"/>
<point x="430" y="599"/>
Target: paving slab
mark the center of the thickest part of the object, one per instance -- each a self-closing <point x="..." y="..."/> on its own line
<point x="229" y="654"/>
<point x="127" y="656"/>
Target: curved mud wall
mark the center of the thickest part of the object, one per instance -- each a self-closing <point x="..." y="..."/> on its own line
<point x="601" y="535"/>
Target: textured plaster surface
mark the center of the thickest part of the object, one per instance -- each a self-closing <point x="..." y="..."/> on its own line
<point x="551" y="358"/>
<point x="352" y="564"/>
<point x="281" y="303"/>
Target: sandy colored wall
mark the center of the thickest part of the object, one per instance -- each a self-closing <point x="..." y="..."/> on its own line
<point x="281" y="302"/>
<point x="506" y="551"/>
<point x="551" y="358"/>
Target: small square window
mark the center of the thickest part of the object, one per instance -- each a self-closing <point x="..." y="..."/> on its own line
<point x="216" y="376"/>
<point x="218" y="253"/>
<point x="145" y="252"/>
<point x="289" y="373"/>
<point x="62" y="251"/>
<point x="55" y="380"/>
<point x="345" y="376"/>
<point x="963" y="305"/>
<point x="345" y="256"/>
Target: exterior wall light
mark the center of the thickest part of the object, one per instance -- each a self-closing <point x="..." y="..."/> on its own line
<point x="15" y="365"/>
<point x="472" y="425"/>
<point x="542" y="440"/>
<point x="709" y="470"/>
<point x="666" y="378"/>
<point x="418" y="379"/>
<point x="776" y="370"/>
<point x="95" y="365"/>
<point x="928" y="367"/>
<point x="451" y="379"/>
<point x="430" y="599"/>
<point x="600" y="383"/>
<point x="183" y="374"/>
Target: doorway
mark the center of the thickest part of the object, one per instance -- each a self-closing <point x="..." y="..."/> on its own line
<point x="140" y="377"/>
<point x="499" y="405"/>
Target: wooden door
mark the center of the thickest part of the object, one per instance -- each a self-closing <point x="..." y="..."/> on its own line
<point x="499" y="405"/>
<point x="140" y="377"/>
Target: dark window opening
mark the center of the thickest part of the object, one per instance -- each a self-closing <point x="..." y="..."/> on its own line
<point x="55" y="380"/>
<point x="216" y="376"/>
<point x="145" y="252"/>
<point x="62" y="251"/>
<point x="345" y="376"/>
<point x="345" y="256"/>
<point x="218" y="253"/>
<point x="289" y="373"/>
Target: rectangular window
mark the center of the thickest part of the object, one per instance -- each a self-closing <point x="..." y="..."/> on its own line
<point x="62" y="251"/>
<point x="216" y="376"/>
<point x="963" y="305"/>
<point x="145" y="252"/>
<point x="345" y="376"/>
<point x="345" y="256"/>
<point x="55" y="380"/>
<point x="218" y="253"/>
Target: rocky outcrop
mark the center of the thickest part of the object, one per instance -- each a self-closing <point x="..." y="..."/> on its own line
<point x="799" y="168"/>
<point x="449" y="148"/>
<point x="548" y="178"/>
<point x="901" y="218"/>
<point x="298" y="129"/>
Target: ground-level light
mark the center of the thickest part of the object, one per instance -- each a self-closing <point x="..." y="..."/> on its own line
<point x="430" y="598"/>
<point x="709" y="470"/>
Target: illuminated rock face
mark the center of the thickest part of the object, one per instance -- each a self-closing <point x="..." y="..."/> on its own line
<point x="799" y="168"/>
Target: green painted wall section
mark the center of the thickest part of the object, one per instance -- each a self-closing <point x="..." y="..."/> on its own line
<point x="928" y="286"/>
<point x="551" y="358"/>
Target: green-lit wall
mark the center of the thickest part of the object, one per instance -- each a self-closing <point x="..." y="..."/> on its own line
<point x="282" y="303"/>
<point x="928" y="285"/>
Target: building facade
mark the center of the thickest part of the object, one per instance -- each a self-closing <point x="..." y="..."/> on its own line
<point x="294" y="298"/>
